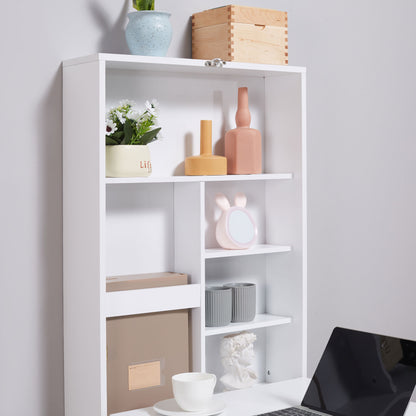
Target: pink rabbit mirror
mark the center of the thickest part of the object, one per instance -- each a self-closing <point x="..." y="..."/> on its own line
<point x="236" y="228"/>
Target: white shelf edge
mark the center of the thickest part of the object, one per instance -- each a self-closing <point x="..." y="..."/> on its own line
<point x="126" y="61"/>
<point x="133" y="302"/>
<point x="260" y="321"/>
<point x="223" y="178"/>
<point x="215" y="253"/>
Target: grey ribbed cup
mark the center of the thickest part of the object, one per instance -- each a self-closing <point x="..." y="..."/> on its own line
<point x="217" y="306"/>
<point x="244" y="301"/>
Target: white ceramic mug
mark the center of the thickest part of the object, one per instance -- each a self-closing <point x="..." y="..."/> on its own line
<point x="193" y="391"/>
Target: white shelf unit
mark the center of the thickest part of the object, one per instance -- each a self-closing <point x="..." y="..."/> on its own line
<point x="117" y="226"/>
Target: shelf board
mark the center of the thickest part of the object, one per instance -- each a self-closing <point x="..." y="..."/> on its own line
<point x="133" y="302"/>
<point x="260" y="321"/>
<point x="184" y="65"/>
<point x="222" y="178"/>
<point x="215" y="253"/>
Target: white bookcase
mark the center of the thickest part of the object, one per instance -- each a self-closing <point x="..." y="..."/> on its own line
<point x="166" y="222"/>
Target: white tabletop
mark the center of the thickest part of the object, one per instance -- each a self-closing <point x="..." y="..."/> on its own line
<point x="261" y="398"/>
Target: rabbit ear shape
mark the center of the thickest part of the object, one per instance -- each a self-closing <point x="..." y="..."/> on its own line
<point x="240" y="200"/>
<point x="222" y="202"/>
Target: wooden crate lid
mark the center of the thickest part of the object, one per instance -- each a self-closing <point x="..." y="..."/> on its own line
<point x="239" y="14"/>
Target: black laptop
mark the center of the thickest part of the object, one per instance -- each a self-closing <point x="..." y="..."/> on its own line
<point x="360" y="374"/>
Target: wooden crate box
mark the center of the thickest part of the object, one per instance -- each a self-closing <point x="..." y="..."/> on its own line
<point x="242" y="34"/>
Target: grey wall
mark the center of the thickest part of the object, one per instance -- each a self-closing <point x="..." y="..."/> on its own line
<point x="362" y="154"/>
<point x="362" y="165"/>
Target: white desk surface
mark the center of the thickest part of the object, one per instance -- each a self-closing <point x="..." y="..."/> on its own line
<point x="261" y="398"/>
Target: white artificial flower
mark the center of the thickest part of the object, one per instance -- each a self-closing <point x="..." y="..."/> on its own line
<point x="110" y="127"/>
<point x="152" y="107"/>
<point x="149" y="108"/>
<point x="120" y="116"/>
<point x="133" y="115"/>
<point x="155" y="104"/>
<point x="124" y="103"/>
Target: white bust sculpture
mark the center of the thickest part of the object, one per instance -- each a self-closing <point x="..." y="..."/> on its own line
<point x="237" y="356"/>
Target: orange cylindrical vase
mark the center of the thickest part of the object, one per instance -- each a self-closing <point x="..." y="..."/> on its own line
<point x="206" y="163"/>
<point x="243" y="144"/>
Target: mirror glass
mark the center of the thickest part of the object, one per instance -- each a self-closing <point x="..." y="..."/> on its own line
<point x="240" y="227"/>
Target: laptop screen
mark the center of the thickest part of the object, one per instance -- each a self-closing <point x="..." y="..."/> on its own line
<point x="363" y="374"/>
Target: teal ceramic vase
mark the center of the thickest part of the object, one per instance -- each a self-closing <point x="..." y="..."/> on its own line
<point x="148" y="32"/>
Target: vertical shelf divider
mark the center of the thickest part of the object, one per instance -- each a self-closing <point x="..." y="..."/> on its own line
<point x="189" y="210"/>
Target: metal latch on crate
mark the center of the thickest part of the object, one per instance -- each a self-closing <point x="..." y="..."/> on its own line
<point x="217" y="62"/>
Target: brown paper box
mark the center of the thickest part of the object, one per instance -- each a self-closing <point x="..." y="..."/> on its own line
<point x="144" y="281"/>
<point x="143" y="353"/>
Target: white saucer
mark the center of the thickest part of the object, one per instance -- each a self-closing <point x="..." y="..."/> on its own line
<point x="171" y="408"/>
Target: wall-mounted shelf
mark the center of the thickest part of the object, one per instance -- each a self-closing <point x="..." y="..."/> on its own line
<point x="168" y="222"/>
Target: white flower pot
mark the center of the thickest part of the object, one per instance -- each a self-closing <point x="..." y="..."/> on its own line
<point x="126" y="161"/>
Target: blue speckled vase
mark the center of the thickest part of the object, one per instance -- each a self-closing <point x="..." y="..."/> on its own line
<point x="148" y="32"/>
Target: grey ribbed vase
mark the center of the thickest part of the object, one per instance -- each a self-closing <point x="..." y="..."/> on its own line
<point x="244" y="301"/>
<point x="217" y="306"/>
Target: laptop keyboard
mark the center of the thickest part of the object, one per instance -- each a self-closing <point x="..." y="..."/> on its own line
<point x="291" y="411"/>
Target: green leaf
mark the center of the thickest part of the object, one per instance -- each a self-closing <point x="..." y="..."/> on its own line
<point x="114" y="138"/>
<point x="118" y="135"/>
<point x="144" y="4"/>
<point x="149" y="136"/>
<point x="128" y="132"/>
<point x="110" y="141"/>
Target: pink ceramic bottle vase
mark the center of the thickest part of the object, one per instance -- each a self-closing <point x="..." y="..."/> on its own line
<point x="243" y="144"/>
